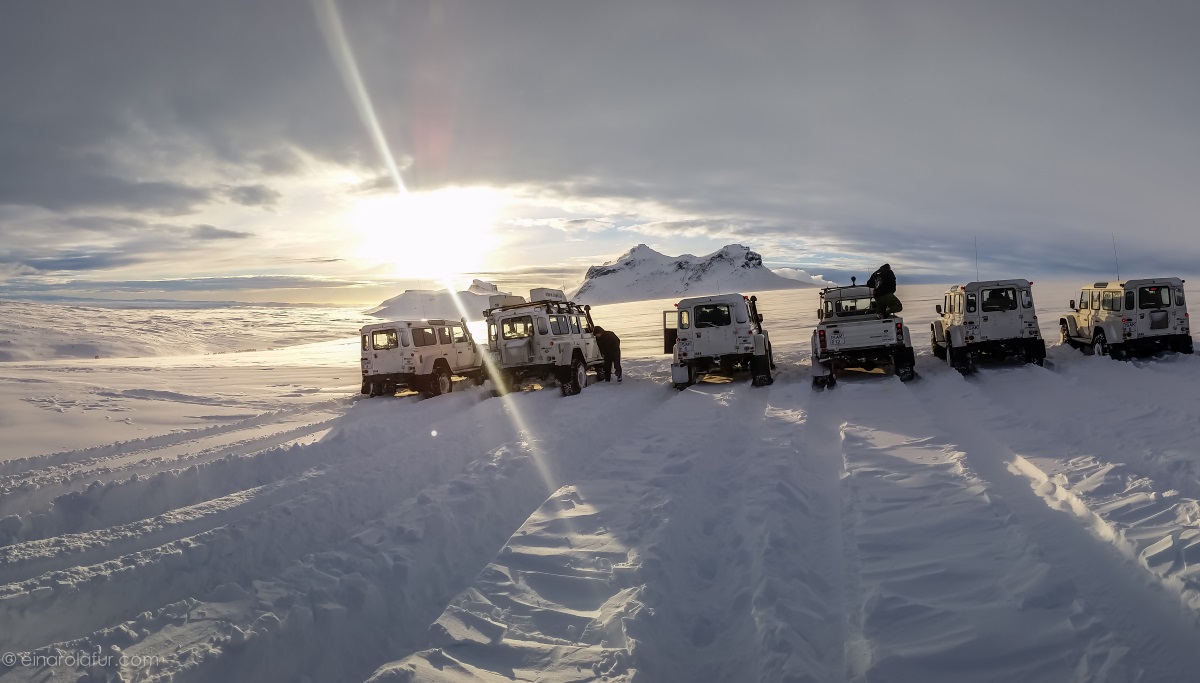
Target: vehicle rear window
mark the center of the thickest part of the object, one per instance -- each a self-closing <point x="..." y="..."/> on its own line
<point x="517" y="328"/>
<point x="1129" y="301"/>
<point x="1026" y="299"/>
<point x="1179" y="296"/>
<point x="971" y="303"/>
<point x="999" y="299"/>
<point x="424" y="336"/>
<point x="1154" y="297"/>
<point x="848" y="307"/>
<point x="384" y="339"/>
<point x="684" y="320"/>
<point x="365" y="343"/>
<point x="713" y="315"/>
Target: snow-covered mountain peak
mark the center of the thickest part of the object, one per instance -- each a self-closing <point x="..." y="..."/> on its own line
<point x="643" y="273"/>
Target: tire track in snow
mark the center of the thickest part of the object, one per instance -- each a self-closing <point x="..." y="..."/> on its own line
<point x="342" y="611"/>
<point x="1147" y="622"/>
<point x="953" y="582"/>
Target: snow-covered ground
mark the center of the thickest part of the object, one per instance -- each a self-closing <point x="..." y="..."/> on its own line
<point x="248" y="517"/>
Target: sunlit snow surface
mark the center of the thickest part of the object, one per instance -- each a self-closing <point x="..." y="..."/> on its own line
<point x="248" y="516"/>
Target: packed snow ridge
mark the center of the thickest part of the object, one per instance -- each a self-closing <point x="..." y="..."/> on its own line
<point x="643" y="273"/>
<point x="439" y="303"/>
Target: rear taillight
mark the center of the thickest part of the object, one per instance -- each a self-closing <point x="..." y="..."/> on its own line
<point x="821" y="336"/>
<point x="899" y="331"/>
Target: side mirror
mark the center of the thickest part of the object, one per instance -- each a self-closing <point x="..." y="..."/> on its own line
<point x="938" y="308"/>
<point x="1072" y="305"/>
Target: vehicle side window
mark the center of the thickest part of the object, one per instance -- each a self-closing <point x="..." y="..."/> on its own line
<point x="1026" y="299"/>
<point x="1179" y="296"/>
<point x="384" y="339"/>
<point x="492" y="331"/>
<point x="1112" y="301"/>
<point x="713" y="315"/>
<point x="1095" y="299"/>
<point x="542" y="327"/>
<point x="583" y="323"/>
<point x="365" y="344"/>
<point x="971" y="303"/>
<point x="1084" y="297"/>
<point x="517" y="328"/>
<point x="740" y="313"/>
<point x="1154" y="297"/>
<point x="946" y="304"/>
<point x="1129" y="300"/>
<point x="558" y="324"/>
<point x="459" y="334"/>
<point x="685" y="320"/>
<point x="403" y="337"/>
<point x="423" y="336"/>
<point x="575" y="324"/>
<point x="443" y="335"/>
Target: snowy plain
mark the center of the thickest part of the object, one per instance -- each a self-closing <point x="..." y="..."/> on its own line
<point x="248" y="516"/>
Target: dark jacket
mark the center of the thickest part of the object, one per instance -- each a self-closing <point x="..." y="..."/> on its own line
<point x="882" y="281"/>
<point x="609" y="343"/>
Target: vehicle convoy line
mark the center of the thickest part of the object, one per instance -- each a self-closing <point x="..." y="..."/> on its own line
<point x="1146" y="618"/>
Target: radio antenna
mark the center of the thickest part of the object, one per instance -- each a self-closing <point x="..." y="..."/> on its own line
<point x="1116" y="262"/>
<point x="977" y="258"/>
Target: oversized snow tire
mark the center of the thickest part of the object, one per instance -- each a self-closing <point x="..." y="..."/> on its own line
<point x="576" y="380"/>
<point x="439" y="382"/>
<point x="760" y="371"/>
<point x="939" y="351"/>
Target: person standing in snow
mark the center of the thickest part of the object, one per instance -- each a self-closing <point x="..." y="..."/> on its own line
<point x="883" y="285"/>
<point x="610" y="348"/>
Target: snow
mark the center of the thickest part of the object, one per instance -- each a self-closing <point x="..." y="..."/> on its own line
<point x="257" y="519"/>
<point x="643" y="273"/>
<point x="419" y="304"/>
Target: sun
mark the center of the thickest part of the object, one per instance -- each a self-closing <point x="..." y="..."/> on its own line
<point x="427" y="235"/>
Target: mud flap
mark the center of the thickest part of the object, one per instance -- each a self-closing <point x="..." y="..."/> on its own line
<point x="680" y="374"/>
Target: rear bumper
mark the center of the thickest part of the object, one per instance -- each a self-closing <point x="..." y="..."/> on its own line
<point x="1162" y="342"/>
<point x="853" y="358"/>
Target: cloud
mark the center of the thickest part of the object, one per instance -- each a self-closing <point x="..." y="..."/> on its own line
<point x="803" y="276"/>
<point x="209" y="232"/>
<point x="254" y="195"/>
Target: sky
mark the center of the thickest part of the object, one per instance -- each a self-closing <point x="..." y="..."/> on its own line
<point x="341" y="152"/>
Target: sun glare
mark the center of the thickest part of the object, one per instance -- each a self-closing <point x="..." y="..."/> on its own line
<point x="427" y="235"/>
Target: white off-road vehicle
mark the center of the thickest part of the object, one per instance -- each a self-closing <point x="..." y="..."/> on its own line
<point x="546" y="337"/>
<point x="851" y="334"/>
<point x="717" y="332"/>
<point x="993" y="319"/>
<point x="422" y="355"/>
<point x="1122" y="318"/>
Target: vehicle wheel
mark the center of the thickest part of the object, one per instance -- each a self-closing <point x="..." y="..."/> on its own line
<point x="760" y="371"/>
<point x="1099" y="344"/>
<point x="366" y="388"/>
<point x="938" y="351"/>
<point x="576" y="380"/>
<point x="906" y="373"/>
<point x="818" y="383"/>
<point x="1186" y="345"/>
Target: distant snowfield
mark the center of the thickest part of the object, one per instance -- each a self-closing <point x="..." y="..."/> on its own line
<point x="248" y="517"/>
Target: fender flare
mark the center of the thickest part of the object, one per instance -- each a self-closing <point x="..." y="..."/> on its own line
<point x="939" y="331"/>
<point x="1072" y="325"/>
<point x="958" y="336"/>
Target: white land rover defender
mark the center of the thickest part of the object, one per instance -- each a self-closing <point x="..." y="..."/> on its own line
<point x="546" y="337"/>
<point x="422" y="355"/>
<point x="717" y="332"/>
<point x="851" y="334"/>
<point x="987" y="319"/>
<point x="1121" y="318"/>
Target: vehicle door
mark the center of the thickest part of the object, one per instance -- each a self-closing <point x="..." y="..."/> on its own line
<point x="464" y="353"/>
<point x="385" y="351"/>
<point x="1180" y="314"/>
<point x="1154" y="310"/>
<point x="1083" y="315"/>
<point x="516" y="340"/>
<point x="587" y="340"/>
<point x="999" y="312"/>
<point x="426" y="346"/>
<point x="966" y="313"/>
<point x="714" y="330"/>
